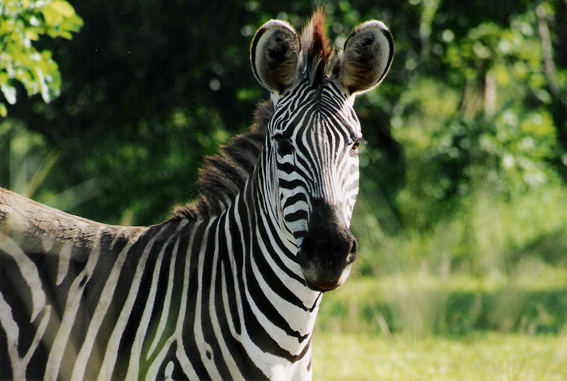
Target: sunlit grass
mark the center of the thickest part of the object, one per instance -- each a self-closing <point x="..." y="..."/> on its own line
<point x="496" y="265"/>
<point x="419" y="325"/>
<point x="492" y="356"/>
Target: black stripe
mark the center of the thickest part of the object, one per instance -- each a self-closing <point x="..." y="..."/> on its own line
<point x="190" y="345"/>
<point x="206" y="289"/>
<point x="245" y="364"/>
<point x="299" y="196"/>
<point x="129" y="334"/>
<point x="290" y="184"/>
<point x="158" y="309"/>
<point x="234" y="237"/>
<point x="297" y="216"/>
<point x="262" y="301"/>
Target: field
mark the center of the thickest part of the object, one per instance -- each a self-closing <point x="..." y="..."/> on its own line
<point x="480" y="356"/>
<point x="421" y="327"/>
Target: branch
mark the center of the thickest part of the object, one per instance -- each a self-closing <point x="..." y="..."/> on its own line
<point x="547" y="48"/>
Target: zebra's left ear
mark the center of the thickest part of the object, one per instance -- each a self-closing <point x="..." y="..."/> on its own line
<point x="366" y="58"/>
<point x="274" y="55"/>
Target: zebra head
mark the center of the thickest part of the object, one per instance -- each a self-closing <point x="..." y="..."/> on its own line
<point x="313" y="134"/>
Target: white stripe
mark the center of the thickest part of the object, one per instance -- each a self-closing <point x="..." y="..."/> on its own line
<point x="12" y="332"/>
<point x="167" y="302"/>
<point x="98" y="316"/>
<point x="63" y="258"/>
<point x="52" y="368"/>
<point x="237" y="280"/>
<point x="111" y="353"/>
<point x="289" y="264"/>
<point x="39" y="332"/>
<point x="158" y="361"/>
<point x="180" y="352"/>
<point x="29" y="273"/>
<point x="202" y="346"/>
<point x="293" y="315"/>
<point x="229" y="360"/>
<point x="136" y="348"/>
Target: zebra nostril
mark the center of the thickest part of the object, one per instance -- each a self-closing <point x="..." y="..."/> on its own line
<point x="354" y="247"/>
<point x="351" y="257"/>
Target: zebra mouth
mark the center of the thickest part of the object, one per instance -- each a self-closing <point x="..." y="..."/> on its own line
<point x="325" y="275"/>
<point x="317" y="283"/>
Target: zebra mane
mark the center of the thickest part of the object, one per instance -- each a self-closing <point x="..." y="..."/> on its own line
<point x="224" y="175"/>
<point x="316" y="52"/>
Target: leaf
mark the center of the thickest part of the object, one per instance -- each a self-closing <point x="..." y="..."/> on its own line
<point x="9" y="93"/>
<point x="32" y="35"/>
<point x="56" y="11"/>
<point x="63" y="7"/>
<point x="51" y="16"/>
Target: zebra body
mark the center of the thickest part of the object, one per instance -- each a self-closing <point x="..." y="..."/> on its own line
<point x="230" y="286"/>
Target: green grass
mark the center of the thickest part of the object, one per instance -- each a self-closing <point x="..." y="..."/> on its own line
<point x="421" y="326"/>
<point x="533" y="300"/>
<point x="488" y="356"/>
<point x="481" y="296"/>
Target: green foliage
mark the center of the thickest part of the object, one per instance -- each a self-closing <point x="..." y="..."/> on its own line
<point x="488" y="234"/>
<point x="421" y="304"/>
<point x="29" y="158"/>
<point x="489" y="123"/>
<point x="498" y="263"/>
<point x="22" y="23"/>
<point x="466" y="102"/>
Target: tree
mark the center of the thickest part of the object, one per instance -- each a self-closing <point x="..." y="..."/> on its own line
<point x="22" y="23"/>
<point x="554" y="63"/>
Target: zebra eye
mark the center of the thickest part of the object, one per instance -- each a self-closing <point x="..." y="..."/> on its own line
<point x="357" y="142"/>
<point x="284" y="145"/>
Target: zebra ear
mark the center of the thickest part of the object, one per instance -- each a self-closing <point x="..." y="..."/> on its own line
<point x="274" y="54"/>
<point x="366" y="58"/>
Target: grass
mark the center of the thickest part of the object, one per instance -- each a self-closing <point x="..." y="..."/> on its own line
<point x="420" y="326"/>
<point x="480" y="296"/>
<point x="533" y="300"/>
<point x="487" y="356"/>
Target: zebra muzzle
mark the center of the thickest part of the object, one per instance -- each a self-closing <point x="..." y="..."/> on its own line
<point x="327" y="250"/>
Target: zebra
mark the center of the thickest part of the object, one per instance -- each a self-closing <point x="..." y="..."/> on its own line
<point x="230" y="285"/>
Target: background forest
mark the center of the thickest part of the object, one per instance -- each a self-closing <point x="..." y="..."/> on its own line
<point x="107" y="109"/>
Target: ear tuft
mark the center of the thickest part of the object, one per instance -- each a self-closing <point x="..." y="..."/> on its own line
<point x="274" y="55"/>
<point x="315" y="48"/>
<point x="366" y="59"/>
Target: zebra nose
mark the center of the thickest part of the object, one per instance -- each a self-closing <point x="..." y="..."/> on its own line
<point x="325" y="258"/>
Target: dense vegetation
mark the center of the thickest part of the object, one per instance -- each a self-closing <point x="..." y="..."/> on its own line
<point x="462" y="215"/>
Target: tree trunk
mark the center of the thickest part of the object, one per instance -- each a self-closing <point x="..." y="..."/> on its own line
<point x="558" y="105"/>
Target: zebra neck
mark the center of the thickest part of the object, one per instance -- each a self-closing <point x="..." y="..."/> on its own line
<point x="270" y="235"/>
<point x="240" y="299"/>
<point x="243" y="295"/>
<point x="273" y="276"/>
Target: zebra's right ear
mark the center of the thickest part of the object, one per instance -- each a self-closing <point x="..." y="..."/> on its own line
<point x="274" y="54"/>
